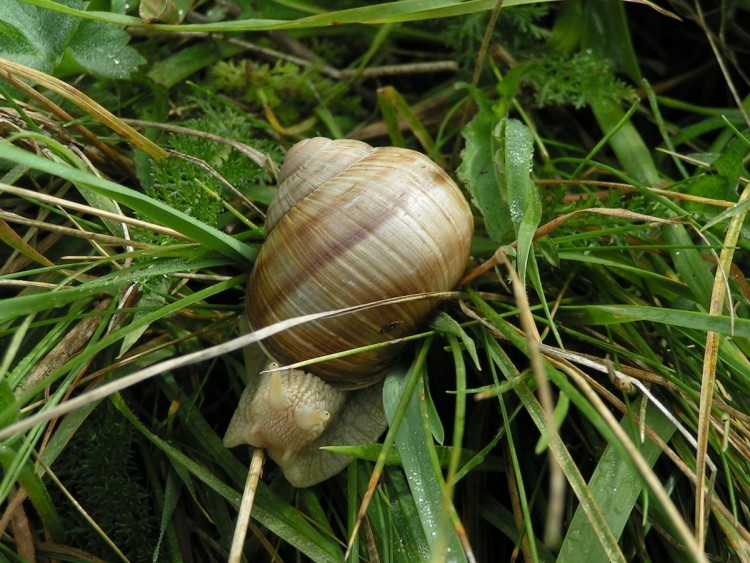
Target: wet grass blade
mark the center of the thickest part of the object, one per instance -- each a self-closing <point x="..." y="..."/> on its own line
<point x="616" y="487"/>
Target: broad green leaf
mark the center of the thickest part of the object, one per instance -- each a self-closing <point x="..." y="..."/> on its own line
<point x="61" y="44"/>
<point x="100" y="50"/>
<point x="519" y="190"/>
<point x="480" y="174"/>
<point x="35" y="37"/>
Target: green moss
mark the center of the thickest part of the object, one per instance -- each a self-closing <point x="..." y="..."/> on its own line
<point x="290" y="91"/>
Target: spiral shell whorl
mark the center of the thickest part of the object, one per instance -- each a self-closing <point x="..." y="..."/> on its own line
<point x="308" y="165"/>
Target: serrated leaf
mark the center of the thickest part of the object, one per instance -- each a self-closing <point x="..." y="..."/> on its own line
<point x="32" y="36"/>
<point x="100" y="50"/>
<point x="61" y="44"/>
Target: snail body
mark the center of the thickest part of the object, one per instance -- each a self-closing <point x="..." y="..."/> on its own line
<point x="292" y="414"/>
<point x="350" y="225"/>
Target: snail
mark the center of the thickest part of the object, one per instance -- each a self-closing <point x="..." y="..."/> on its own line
<point x="350" y="224"/>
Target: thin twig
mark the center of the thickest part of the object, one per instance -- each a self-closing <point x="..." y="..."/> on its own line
<point x="87" y="104"/>
<point x="722" y="65"/>
<point x="556" y="505"/>
<point x="406" y="68"/>
<point x="246" y="506"/>
<point x="628" y="188"/>
<point x="719" y="292"/>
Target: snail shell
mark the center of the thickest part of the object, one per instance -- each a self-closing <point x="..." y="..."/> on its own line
<point x="352" y="224"/>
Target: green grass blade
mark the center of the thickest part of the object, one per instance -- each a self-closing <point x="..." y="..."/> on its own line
<point x="411" y="442"/>
<point x="626" y="141"/>
<point x="616" y="314"/>
<point x="15" y="307"/>
<point x="615" y="486"/>
<point x="605" y="32"/>
<point x="389" y="12"/>
<point x="156" y="211"/>
<point x="689" y="263"/>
